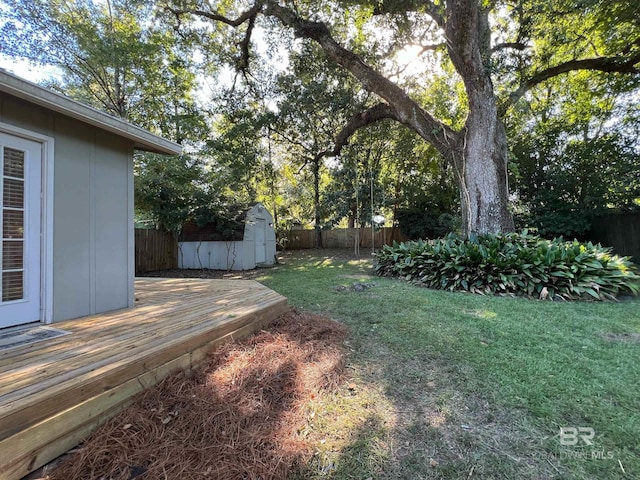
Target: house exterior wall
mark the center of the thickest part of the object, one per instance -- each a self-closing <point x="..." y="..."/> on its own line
<point x="93" y="235"/>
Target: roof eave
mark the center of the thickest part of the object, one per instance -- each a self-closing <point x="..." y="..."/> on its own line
<point x="141" y="138"/>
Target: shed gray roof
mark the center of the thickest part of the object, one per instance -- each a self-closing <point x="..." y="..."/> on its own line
<point x="142" y="139"/>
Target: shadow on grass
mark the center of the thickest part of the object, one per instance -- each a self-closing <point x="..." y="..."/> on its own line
<point x="476" y="387"/>
<point x="411" y="425"/>
<point x="363" y="457"/>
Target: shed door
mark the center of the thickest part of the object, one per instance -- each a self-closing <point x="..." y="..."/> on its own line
<point x="260" y="230"/>
<point x="20" y="187"/>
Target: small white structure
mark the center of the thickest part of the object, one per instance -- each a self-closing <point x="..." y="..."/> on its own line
<point x="66" y="205"/>
<point x="256" y="249"/>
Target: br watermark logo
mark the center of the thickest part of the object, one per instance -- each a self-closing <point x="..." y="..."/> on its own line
<point x="581" y="438"/>
<point x="571" y="436"/>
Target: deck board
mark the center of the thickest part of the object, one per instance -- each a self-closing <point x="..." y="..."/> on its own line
<point x="116" y="340"/>
<point x="55" y="391"/>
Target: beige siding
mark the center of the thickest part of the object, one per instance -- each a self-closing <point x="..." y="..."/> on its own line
<point x="110" y="225"/>
<point x="24" y="115"/>
<point x="93" y="211"/>
<point x="72" y="248"/>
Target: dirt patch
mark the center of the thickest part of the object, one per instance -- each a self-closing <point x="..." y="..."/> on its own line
<point x="238" y="418"/>
<point x="622" y="337"/>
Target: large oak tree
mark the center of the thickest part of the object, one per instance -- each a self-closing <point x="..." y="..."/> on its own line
<point x="499" y="50"/>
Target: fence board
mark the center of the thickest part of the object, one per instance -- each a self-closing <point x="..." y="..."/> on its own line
<point x="300" y="239"/>
<point x="155" y="250"/>
<point x="620" y="231"/>
<point x="344" y="238"/>
<point x="158" y="250"/>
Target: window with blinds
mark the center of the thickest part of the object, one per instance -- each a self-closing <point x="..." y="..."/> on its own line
<point x="12" y="213"/>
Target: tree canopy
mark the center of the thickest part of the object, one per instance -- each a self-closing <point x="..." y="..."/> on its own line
<point x="499" y="51"/>
<point x="112" y="58"/>
<point x="515" y="102"/>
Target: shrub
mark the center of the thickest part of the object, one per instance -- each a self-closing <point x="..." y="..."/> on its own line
<point x="416" y="223"/>
<point x="512" y="264"/>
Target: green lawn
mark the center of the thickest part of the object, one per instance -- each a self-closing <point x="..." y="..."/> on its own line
<point x="453" y="385"/>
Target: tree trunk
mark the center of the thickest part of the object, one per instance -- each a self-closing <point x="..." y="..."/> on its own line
<point x="481" y="155"/>
<point x="481" y="171"/>
<point x="479" y="151"/>
<point x="316" y="203"/>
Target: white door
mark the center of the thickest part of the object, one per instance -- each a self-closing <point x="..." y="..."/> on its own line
<point x="260" y="229"/>
<point x="20" y="187"/>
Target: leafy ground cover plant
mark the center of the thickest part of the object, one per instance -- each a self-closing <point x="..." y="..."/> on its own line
<point x="516" y="264"/>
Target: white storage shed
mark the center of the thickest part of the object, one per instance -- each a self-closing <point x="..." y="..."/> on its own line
<point x="256" y="248"/>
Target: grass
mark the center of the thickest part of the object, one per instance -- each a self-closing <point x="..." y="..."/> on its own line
<point x="454" y="385"/>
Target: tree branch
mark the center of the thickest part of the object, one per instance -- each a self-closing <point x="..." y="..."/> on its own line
<point x="290" y="140"/>
<point x="216" y="17"/>
<point x="407" y="111"/>
<point x="248" y="17"/>
<point x="394" y="7"/>
<point x="509" y="45"/>
<point x="374" y="114"/>
<point x="243" y="61"/>
<point x="601" y="64"/>
<point x="378" y="112"/>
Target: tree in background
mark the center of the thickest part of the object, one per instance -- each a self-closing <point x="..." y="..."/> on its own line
<point x="499" y="50"/>
<point x="113" y="55"/>
<point x="575" y="156"/>
<point x="314" y="100"/>
<point x="166" y="190"/>
<point x="120" y="57"/>
<point x="460" y="74"/>
<point x="356" y="188"/>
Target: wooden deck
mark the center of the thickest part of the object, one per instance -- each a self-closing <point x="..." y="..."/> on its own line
<point x="53" y="393"/>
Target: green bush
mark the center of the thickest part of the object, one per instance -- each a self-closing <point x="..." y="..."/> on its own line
<point x="512" y="264"/>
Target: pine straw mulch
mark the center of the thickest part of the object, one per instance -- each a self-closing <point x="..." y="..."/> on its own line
<point x="237" y="418"/>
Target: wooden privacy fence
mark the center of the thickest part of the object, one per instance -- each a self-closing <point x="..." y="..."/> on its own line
<point x="155" y="250"/>
<point x="620" y="231"/>
<point x="344" y="238"/>
<point x="158" y="250"/>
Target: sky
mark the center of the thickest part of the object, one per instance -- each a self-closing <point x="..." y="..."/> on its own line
<point x="26" y="70"/>
<point x="22" y="68"/>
